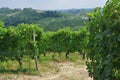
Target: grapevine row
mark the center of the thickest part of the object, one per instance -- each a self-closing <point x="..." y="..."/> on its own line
<point x="29" y="40"/>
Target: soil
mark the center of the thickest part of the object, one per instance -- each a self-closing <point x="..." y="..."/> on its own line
<point x="65" y="71"/>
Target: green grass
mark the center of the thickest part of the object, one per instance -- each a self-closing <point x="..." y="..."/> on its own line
<point x="46" y="64"/>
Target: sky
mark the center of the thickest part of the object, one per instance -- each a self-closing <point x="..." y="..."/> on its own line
<point x="52" y="4"/>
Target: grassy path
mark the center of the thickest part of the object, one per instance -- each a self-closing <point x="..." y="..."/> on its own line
<point x="64" y="71"/>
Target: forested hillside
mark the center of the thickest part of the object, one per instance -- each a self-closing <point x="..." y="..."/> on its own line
<point x="48" y="20"/>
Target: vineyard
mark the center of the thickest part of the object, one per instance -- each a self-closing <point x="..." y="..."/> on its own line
<point x="98" y="43"/>
<point x="31" y="41"/>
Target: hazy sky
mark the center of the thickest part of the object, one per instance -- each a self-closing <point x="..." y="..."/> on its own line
<point x="52" y="4"/>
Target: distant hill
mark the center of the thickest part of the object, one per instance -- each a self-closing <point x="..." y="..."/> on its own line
<point x="77" y="11"/>
<point x="27" y="15"/>
<point x="49" y="20"/>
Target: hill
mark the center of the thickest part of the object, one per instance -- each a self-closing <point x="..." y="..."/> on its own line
<point x="49" y="20"/>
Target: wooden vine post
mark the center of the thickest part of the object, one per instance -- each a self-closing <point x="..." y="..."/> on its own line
<point x="35" y="47"/>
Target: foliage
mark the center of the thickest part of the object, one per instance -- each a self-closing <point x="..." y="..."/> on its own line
<point x="79" y="40"/>
<point x="61" y="40"/>
<point x="18" y="42"/>
<point x="104" y="42"/>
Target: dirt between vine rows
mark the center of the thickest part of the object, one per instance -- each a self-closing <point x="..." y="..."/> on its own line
<point x="67" y="71"/>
